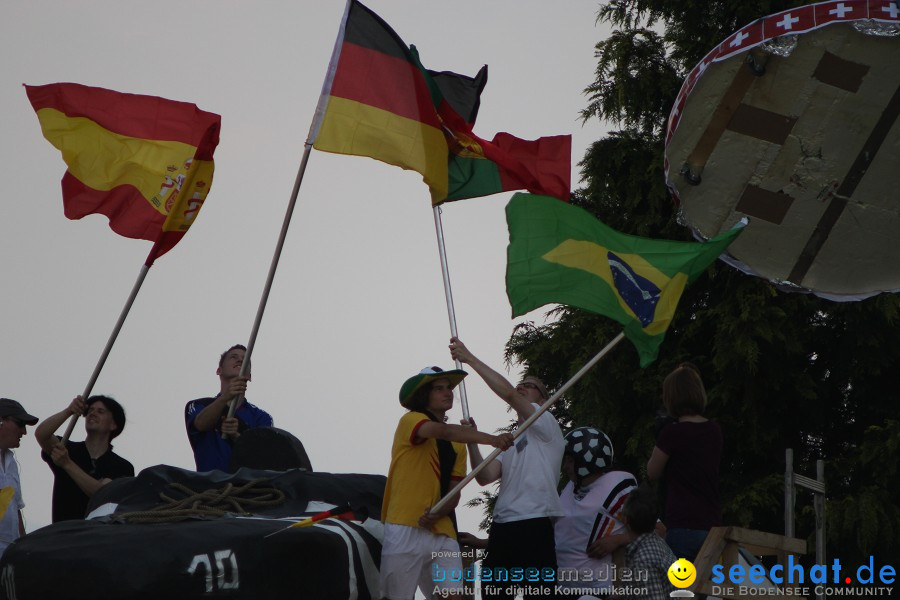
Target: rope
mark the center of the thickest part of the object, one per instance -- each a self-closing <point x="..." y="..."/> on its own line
<point x="214" y="502"/>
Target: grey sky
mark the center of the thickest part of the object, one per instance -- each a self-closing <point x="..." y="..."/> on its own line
<point x="358" y="302"/>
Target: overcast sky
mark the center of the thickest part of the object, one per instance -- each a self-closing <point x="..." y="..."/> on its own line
<point x="358" y="302"/>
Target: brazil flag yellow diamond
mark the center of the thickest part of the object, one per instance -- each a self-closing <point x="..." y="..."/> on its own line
<point x="559" y="253"/>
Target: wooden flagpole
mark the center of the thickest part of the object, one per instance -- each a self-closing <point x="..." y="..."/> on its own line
<point x="314" y="127"/>
<point x="115" y="333"/>
<point x="273" y="266"/>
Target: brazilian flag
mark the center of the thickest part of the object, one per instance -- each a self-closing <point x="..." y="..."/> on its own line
<point x="559" y="253"/>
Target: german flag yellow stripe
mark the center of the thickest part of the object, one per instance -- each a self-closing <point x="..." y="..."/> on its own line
<point x="351" y="127"/>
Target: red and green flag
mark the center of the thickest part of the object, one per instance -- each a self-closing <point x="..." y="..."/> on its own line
<point x="477" y="167"/>
<point x="480" y="168"/>
<point x="379" y="101"/>
<point x="144" y="162"/>
<point x="559" y="253"/>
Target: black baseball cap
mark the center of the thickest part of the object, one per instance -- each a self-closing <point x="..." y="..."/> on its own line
<point x="11" y="408"/>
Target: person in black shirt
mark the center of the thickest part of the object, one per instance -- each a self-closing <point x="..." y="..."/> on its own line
<point x="82" y="468"/>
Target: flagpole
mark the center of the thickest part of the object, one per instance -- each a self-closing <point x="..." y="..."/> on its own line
<point x="245" y="366"/>
<point x="448" y="294"/>
<point x="112" y="338"/>
<point x="527" y="423"/>
<point x="318" y="117"/>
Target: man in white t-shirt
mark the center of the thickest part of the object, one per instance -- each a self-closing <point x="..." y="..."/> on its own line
<point x="13" y="420"/>
<point x="521" y="535"/>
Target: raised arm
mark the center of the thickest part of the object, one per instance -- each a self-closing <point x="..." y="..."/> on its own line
<point x="207" y="418"/>
<point x="44" y="432"/>
<point x="497" y="382"/>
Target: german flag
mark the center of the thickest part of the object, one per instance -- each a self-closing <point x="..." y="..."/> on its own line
<point x="377" y="101"/>
<point x="144" y="162"/>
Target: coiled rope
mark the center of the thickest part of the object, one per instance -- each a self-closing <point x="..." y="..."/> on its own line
<point x="214" y="502"/>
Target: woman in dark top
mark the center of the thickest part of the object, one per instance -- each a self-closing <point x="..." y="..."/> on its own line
<point x="687" y="456"/>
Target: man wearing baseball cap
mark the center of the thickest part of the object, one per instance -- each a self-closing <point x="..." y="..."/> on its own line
<point x="521" y="534"/>
<point x="13" y="420"/>
<point x="427" y="456"/>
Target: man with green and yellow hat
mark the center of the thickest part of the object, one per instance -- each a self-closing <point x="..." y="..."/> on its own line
<point x="427" y="457"/>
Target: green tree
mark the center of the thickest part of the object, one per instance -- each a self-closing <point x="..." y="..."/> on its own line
<point x="782" y="370"/>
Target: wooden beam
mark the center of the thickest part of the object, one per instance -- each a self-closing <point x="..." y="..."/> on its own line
<point x="708" y="556"/>
<point x="769" y="540"/>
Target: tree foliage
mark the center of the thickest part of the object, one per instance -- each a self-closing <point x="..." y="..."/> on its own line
<point x="782" y="370"/>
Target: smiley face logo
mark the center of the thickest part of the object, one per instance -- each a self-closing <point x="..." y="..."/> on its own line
<point x="682" y="573"/>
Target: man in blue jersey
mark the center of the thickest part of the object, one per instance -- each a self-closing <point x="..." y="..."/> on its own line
<point x="211" y="432"/>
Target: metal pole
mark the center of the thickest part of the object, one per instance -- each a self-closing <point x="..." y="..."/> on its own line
<point x="245" y="366"/>
<point x="788" y="493"/>
<point x="448" y="294"/>
<point x="109" y="343"/>
<point x="525" y="425"/>
<point x="819" y="503"/>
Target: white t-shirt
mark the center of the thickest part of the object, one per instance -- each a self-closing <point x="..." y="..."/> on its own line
<point x="530" y="473"/>
<point x="588" y="516"/>
<point x="9" y="478"/>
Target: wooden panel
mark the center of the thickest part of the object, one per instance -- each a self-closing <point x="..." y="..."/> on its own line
<point x="761" y="124"/>
<point x="723" y="114"/>
<point x="763" y="204"/>
<point x="844" y="74"/>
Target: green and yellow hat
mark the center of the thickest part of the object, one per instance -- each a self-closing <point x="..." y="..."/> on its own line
<point x="425" y="376"/>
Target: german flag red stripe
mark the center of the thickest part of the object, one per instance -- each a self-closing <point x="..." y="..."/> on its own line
<point x="361" y="76"/>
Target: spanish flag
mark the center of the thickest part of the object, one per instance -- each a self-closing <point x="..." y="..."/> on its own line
<point x="144" y="162"/>
<point x="379" y="101"/>
<point x="559" y="253"/>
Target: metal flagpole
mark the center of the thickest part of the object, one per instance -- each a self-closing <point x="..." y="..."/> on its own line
<point x="112" y="338"/>
<point x="245" y="366"/>
<point x="527" y="423"/>
<point x="451" y="312"/>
